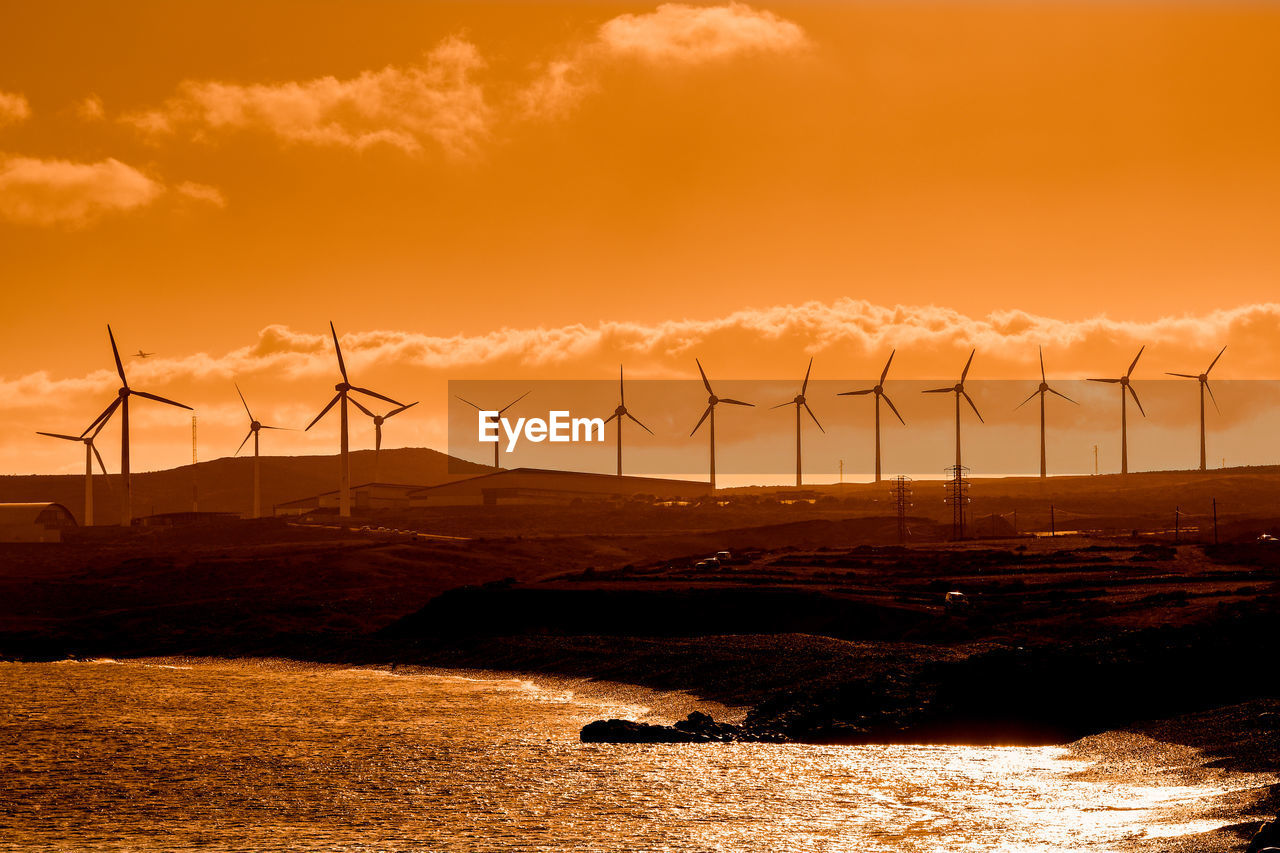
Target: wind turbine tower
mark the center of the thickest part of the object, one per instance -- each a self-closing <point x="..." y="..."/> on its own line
<point x="1203" y="379"/>
<point x="710" y="412"/>
<point x="254" y="426"/>
<point x="1042" y="390"/>
<point x="1124" y="384"/>
<point x="878" y="390"/>
<point x="620" y="413"/>
<point x="799" y="402"/>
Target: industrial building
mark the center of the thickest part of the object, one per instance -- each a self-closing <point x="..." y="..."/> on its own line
<point x="34" y="522"/>
<point x="546" y="486"/>
<point x="369" y="497"/>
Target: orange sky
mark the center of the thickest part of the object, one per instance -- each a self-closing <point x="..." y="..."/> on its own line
<point x="195" y="173"/>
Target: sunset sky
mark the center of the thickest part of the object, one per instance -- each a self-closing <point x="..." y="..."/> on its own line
<point x="542" y="191"/>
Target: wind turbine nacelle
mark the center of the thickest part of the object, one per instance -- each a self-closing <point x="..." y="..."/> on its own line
<point x="620" y="411"/>
<point x="959" y="388"/>
<point x="1044" y="386"/>
<point x="341" y="386"/>
<point x="122" y="393"/>
<point x="712" y="400"/>
<point x="799" y="400"/>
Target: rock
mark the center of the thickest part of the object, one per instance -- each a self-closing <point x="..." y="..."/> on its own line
<point x="696" y="728"/>
<point x="1266" y="838"/>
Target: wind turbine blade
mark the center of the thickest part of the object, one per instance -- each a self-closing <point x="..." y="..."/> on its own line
<point x="1215" y="360"/>
<point x="642" y="426"/>
<point x="701" y="419"/>
<point x="471" y="404"/>
<point x="359" y="406"/>
<point x="516" y="400"/>
<point x="812" y="415"/>
<point x="242" y="400"/>
<point x="855" y="393"/>
<point x="611" y="417"/>
<point x="622" y="391"/>
<point x="116" y="352"/>
<point x="1211" y="397"/>
<point x="264" y="426"/>
<point x="1136" y="400"/>
<point x="1063" y="396"/>
<point x="805" y="385"/>
<point x="101" y="421"/>
<point x="938" y="391"/>
<point x="885" y="372"/>
<point x="734" y="402"/>
<point x="1183" y="375"/>
<point x="394" y="412"/>
<point x="972" y="406"/>
<point x="325" y="410"/>
<point x="704" y="377"/>
<point x="1028" y="400"/>
<point x="885" y="397"/>
<point x="60" y="435"/>
<point x="247" y="436"/>
<point x="160" y="399"/>
<point x="1109" y="381"/>
<point x="780" y="405"/>
<point x="1135" y="361"/>
<point x="342" y="365"/>
<point x="383" y="397"/>
<point x="964" y="373"/>
<point x="1042" y="378"/>
<point x="101" y="465"/>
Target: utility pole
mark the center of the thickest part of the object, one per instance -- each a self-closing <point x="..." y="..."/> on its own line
<point x="1053" y="527"/>
<point x="1177" y="523"/>
<point x="1095" y="460"/>
<point x="901" y="498"/>
<point x="1215" y="521"/>
<point x="842" y="472"/>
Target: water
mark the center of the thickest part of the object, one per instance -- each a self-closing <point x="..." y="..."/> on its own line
<point x="259" y="756"/>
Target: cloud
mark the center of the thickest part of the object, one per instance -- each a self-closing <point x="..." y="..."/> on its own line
<point x="437" y="102"/>
<point x="673" y="35"/>
<point x="91" y="109"/>
<point x="14" y="108"/>
<point x="691" y="35"/>
<point x="61" y="192"/>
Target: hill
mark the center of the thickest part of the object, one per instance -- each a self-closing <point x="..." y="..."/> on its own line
<point x="225" y="485"/>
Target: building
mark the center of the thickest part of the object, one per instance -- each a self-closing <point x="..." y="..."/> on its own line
<point x="34" y="522"/>
<point x="546" y="486"/>
<point x="369" y="497"/>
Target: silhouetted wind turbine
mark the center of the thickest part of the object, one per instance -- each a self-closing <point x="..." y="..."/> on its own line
<point x="254" y="426"/>
<point x="1203" y="379"/>
<point x="90" y="453"/>
<point x="378" y="420"/>
<point x="958" y="390"/>
<point x="710" y="412"/>
<point x="878" y="390"/>
<point x="1042" y="390"/>
<point x="1123" y="382"/>
<point x="495" y="419"/>
<point x="122" y="403"/>
<point x="799" y="401"/>
<point x="620" y="413"/>
<point x="343" y="387"/>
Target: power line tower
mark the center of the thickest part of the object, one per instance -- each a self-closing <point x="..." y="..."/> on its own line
<point x="958" y="496"/>
<point x="901" y="492"/>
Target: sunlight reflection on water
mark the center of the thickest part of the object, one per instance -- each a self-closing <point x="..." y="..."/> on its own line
<point x="285" y="757"/>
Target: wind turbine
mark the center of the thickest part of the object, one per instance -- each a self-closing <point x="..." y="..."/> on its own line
<point x="799" y="401"/>
<point x="122" y="403"/>
<point x="878" y="390"/>
<point x="343" y="388"/>
<point x="620" y="413"/>
<point x="958" y="390"/>
<point x="378" y="420"/>
<point x="496" y="418"/>
<point x="710" y="412"/>
<point x="1203" y="379"/>
<point x="90" y="453"/>
<point x="254" y="426"/>
<point x="1042" y="390"/>
<point x="1123" y="382"/>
